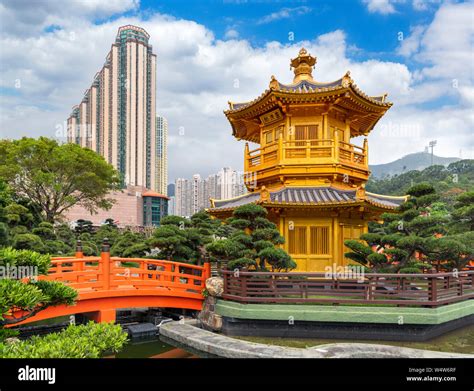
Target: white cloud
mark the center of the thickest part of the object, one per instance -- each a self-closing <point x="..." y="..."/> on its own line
<point x="386" y="7"/>
<point x="423" y="5"/>
<point x="231" y="33"/>
<point x="467" y="95"/>
<point x="26" y="18"/>
<point x="444" y="49"/>
<point x="284" y="13"/>
<point x="407" y="129"/>
<point x="411" y="44"/>
<point x="447" y="44"/>
<point x="383" y="7"/>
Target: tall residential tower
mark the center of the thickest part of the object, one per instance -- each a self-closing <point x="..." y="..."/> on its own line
<point x="116" y="117"/>
<point x="162" y="155"/>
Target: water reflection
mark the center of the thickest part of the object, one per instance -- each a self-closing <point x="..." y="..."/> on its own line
<point x="154" y="348"/>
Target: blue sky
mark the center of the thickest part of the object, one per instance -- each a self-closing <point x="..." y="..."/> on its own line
<point x="367" y="30"/>
<point x="261" y="21"/>
<point x="418" y="51"/>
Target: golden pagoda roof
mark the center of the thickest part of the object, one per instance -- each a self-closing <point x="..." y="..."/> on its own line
<point x="306" y="87"/>
<point x="344" y="92"/>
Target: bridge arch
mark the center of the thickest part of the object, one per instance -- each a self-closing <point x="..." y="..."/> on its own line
<point x="106" y="283"/>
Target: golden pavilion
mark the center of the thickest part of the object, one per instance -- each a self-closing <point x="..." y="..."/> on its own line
<point x="305" y="171"/>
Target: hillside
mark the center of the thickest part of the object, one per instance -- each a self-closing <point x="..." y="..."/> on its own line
<point x="413" y="161"/>
<point x="449" y="181"/>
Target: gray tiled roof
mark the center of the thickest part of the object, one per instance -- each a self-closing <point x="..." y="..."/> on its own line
<point x="235" y="202"/>
<point x="310" y="195"/>
<point x="307" y="85"/>
<point x="316" y="195"/>
<point x="378" y="98"/>
<point x="236" y="106"/>
<point x="385" y="200"/>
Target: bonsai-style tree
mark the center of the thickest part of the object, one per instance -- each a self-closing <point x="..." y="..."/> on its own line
<point x="122" y="245"/>
<point x="21" y="228"/>
<point x="83" y="226"/>
<point x="26" y="299"/>
<point x="396" y="244"/>
<point x="110" y="223"/>
<point x="56" y="177"/>
<point x="413" y="240"/>
<point x="452" y="252"/>
<point x="177" y="240"/>
<point x="251" y="242"/>
<point x="463" y="213"/>
<point x="183" y="240"/>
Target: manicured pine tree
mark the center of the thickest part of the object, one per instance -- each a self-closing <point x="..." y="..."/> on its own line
<point x="422" y="236"/>
<point x="251" y="242"/>
<point x="463" y="212"/>
<point x="404" y="241"/>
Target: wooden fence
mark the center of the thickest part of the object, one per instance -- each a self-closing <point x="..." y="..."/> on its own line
<point x="429" y="290"/>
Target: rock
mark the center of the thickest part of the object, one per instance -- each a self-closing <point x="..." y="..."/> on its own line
<point x="215" y="286"/>
<point x="215" y="322"/>
<point x="12" y="340"/>
<point x="210" y="321"/>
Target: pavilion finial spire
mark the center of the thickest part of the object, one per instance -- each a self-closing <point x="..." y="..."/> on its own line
<point x="303" y="66"/>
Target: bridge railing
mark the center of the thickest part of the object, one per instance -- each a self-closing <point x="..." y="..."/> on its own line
<point x="109" y="273"/>
<point x="152" y="273"/>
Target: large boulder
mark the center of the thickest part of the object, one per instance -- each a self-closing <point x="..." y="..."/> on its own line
<point x="215" y="286"/>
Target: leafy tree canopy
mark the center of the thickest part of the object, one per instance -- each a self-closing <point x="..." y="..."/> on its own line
<point x="56" y="177"/>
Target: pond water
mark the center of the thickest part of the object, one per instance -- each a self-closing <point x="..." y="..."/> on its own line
<point x="152" y="348"/>
<point x="457" y="341"/>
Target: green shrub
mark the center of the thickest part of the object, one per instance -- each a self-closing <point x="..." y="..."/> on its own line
<point x="13" y="257"/>
<point x="84" y="341"/>
<point x="241" y="263"/>
<point x="28" y="242"/>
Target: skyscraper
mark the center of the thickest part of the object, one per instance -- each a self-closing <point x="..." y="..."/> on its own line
<point x="162" y="155"/>
<point x="183" y="197"/>
<point x="116" y="116"/>
<point x="194" y="195"/>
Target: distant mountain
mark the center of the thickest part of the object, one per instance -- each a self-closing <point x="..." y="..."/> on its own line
<point x="413" y="161"/>
<point x="448" y="181"/>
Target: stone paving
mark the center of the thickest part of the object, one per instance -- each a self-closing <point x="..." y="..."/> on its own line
<point x="189" y="334"/>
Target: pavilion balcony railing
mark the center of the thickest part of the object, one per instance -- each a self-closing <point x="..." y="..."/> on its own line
<point x="305" y="152"/>
<point x="419" y="290"/>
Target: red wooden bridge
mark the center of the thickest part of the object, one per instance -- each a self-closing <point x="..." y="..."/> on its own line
<point x="107" y="283"/>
